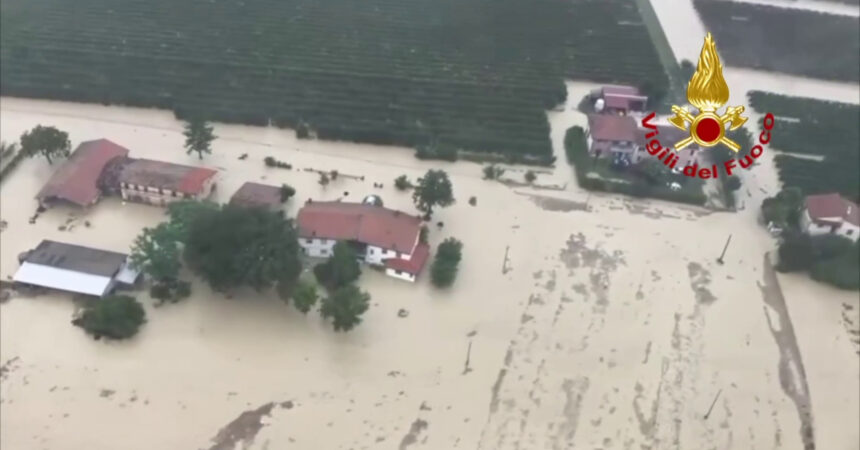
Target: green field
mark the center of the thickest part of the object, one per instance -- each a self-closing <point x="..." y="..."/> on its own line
<point x="792" y="41"/>
<point x="474" y="74"/>
<point x="815" y="127"/>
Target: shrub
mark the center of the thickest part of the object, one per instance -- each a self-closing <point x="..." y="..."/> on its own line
<point x="170" y="291"/>
<point x="493" y="172"/>
<point x="422" y="235"/>
<point x="444" y="268"/>
<point x="402" y="183"/>
<point x="345" y="307"/>
<point x="272" y="162"/>
<point x="733" y="183"/>
<point x="473" y="200"/>
<point x="287" y="192"/>
<point x="530" y="177"/>
<point x="305" y="296"/>
<point x="795" y="252"/>
<point x="114" y="317"/>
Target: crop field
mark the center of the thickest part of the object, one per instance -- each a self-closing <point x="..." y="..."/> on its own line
<point x="792" y="41"/>
<point x="474" y="74"/>
<point x="814" y="127"/>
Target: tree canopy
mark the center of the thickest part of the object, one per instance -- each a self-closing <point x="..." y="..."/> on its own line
<point x="433" y="189"/>
<point x="198" y="137"/>
<point x="46" y="141"/>
<point x="305" y="295"/>
<point x="156" y="252"/>
<point x="784" y="208"/>
<point x="234" y="246"/>
<point x="445" y="266"/>
<point x="345" y="306"/>
<point x="115" y="317"/>
<point x="340" y="269"/>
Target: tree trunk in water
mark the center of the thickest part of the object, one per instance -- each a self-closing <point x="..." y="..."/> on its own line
<point x="48" y="156"/>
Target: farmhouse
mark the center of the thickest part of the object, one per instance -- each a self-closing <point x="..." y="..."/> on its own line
<point x="830" y="214"/>
<point x="73" y="268"/>
<point x="616" y="137"/>
<point x="379" y="236"/>
<point x="669" y="135"/>
<point x="77" y="180"/>
<point x="257" y="195"/>
<point x="159" y="183"/>
<point x="618" y="100"/>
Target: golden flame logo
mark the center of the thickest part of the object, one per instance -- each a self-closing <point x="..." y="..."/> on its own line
<point x="707" y="89"/>
<point x="708" y="92"/>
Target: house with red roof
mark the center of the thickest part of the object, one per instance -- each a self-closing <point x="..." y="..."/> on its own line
<point x="830" y="214"/>
<point x="77" y="180"/>
<point x="160" y="183"/>
<point x="615" y="137"/>
<point x="380" y="236"/>
<point x="619" y="100"/>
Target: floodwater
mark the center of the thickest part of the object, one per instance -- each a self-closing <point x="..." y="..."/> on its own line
<point x="607" y="327"/>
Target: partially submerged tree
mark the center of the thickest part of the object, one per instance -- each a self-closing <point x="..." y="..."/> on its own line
<point x="444" y="268"/>
<point x="433" y="189"/>
<point x="234" y="246"/>
<point x="402" y="183"/>
<point x="340" y="269"/>
<point x="795" y="252"/>
<point x="305" y="296"/>
<point x="156" y="252"/>
<point x="184" y="212"/>
<point x="287" y="192"/>
<point x="114" y="317"/>
<point x="345" y="306"/>
<point x="784" y="208"/>
<point x="493" y="172"/>
<point x="323" y="181"/>
<point x="46" y="141"/>
<point x="530" y="177"/>
<point x="198" y="137"/>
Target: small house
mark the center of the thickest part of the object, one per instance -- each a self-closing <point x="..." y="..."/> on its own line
<point x="74" y="268"/>
<point x="619" y="100"/>
<point x="830" y="214"/>
<point x="616" y="137"/>
<point x="256" y="195"/>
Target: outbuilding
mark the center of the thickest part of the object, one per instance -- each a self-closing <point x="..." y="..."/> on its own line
<point x="74" y="268"/>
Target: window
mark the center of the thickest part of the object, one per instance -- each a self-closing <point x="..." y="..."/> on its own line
<point x="398" y="272"/>
<point x="309" y="241"/>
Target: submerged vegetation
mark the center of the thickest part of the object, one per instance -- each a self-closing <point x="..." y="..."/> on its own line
<point x="441" y="75"/>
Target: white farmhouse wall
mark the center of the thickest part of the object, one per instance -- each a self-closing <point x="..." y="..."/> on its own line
<point x="378" y="255"/>
<point x="812" y="228"/>
<point x="400" y="275"/>
<point x="317" y="248"/>
<point x="152" y="195"/>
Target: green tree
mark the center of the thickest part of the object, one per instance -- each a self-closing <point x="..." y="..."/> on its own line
<point x="287" y="192"/>
<point x="46" y="141"/>
<point x="235" y="246"/>
<point x="653" y="171"/>
<point x="423" y="234"/>
<point x="733" y="183"/>
<point x="687" y="70"/>
<point x="402" y="183"/>
<point x="323" y="181"/>
<point x="184" y="212"/>
<point x="433" y="189"/>
<point x="170" y="291"/>
<point x="156" y="253"/>
<point x="340" y="269"/>
<point x="115" y="317"/>
<point x="842" y="271"/>
<point x="493" y="172"/>
<point x="345" y="307"/>
<point x="445" y="265"/>
<point x="784" y="208"/>
<point x="530" y="177"/>
<point x="795" y="252"/>
<point x="305" y="296"/>
<point x="198" y="137"/>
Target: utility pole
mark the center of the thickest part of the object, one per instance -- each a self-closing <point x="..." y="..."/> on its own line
<point x="720" y="259"/>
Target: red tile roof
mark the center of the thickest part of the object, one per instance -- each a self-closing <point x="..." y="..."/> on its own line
<point x="373" y="225"/>
<point x="412" y="265"/>
<point x="256" y="194"/>
<point x="76" y="180"/>
<point x="832" y="206"/>
<point x="165" y="175"/>
<point x="606" y="127"/>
